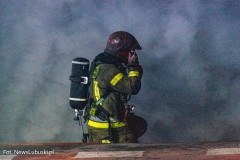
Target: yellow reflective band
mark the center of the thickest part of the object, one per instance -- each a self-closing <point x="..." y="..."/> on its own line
<point x="105" y="141"/>
<point x="104" y="125"/>
<point x="96" y="90"/>
<point x="133" y="74"/>
<point x="117" y="78"/>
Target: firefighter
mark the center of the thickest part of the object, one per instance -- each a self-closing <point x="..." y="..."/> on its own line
<point x="115" y="76"/>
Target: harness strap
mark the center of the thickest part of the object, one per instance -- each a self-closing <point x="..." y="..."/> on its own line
<point x="109" y="129"/>
<point x="96" y="119"/>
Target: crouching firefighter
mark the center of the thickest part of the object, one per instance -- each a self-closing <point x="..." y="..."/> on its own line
<point x="114" y="76"/>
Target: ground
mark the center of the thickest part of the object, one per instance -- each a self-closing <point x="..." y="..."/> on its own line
<point x="87" y="151"/>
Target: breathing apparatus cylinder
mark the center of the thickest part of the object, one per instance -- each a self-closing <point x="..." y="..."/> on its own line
<point x="79" y="83"/>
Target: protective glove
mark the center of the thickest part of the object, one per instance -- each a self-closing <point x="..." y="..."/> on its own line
<point x="133" y="59"/>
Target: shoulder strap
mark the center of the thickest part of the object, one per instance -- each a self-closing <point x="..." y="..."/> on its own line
<point x="103" y="98"/>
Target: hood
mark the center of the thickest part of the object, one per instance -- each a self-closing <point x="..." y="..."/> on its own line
<point x="107" y="59"/>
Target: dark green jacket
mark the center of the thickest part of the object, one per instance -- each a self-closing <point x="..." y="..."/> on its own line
<point x="117" y="79"/>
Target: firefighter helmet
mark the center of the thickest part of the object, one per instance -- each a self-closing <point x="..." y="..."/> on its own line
<point x="122" y="41"/>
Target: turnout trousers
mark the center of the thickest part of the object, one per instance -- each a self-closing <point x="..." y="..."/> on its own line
<point x="135" y="127"/>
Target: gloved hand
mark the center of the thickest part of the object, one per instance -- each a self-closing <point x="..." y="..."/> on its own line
<point x="133" y="59"/>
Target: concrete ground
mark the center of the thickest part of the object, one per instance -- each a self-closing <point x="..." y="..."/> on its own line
<point x="87" y="151"/>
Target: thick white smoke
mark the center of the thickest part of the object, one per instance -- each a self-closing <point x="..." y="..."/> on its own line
<point x="190" y="59"/>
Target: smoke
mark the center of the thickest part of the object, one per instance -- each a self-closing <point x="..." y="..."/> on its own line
<point x="190" y="57"/>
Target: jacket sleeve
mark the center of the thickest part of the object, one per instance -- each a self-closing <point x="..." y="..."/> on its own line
<point x="127" y="84"/>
